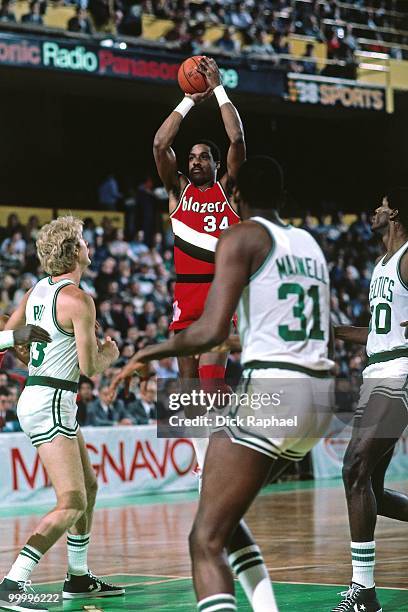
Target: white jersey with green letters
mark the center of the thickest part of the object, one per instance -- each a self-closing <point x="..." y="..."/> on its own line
<point x="59" y="358"/>
<point x="389" y="307"/>
<point x="284" y="311"/>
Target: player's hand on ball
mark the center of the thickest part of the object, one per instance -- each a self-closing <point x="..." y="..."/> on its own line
<point x="405" y="324"/>
<point x="30" y="333"/>
<point x="198" y="98"/>
<point x="208" y="67"/>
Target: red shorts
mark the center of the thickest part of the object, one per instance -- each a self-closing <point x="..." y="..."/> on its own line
<point x="189" y="302"/>
<point x="188" y="305"/>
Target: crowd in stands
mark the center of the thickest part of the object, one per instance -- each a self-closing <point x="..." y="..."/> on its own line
<point x="132" y="284"/>
<point x="252" y="28"/>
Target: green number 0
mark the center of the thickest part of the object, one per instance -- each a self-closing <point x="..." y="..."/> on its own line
<point x="291" y="335"/>
<point x="386" y="328"/>
<point x="40" y="348"/>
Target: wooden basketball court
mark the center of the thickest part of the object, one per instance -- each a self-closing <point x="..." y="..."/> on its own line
<point x="141" y="542"/>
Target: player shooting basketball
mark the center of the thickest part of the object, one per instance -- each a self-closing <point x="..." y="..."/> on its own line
<point x="200" y="210"/>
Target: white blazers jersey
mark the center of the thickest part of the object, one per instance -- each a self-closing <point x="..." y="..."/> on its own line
<point x="389" y="307"/>
<point x="59" y="358"/>
<point x="284" y="311"/>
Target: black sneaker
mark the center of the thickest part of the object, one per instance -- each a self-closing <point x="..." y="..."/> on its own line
<point x="358" y="599"/>
<point x="19" y="596"/>
<point x="89" y="586"/>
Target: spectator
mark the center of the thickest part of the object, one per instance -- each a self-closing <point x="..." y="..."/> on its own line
<point x="167" y="368"/>
<point x="108" y="193"/>
<point x="179" y="32"/>
<point x="149" y="315"/>
<point x="198" y="43"/>
<point x="309" y="60"/>
<point x="361" y="227"/>
<point x="8" y="411"/>
<point x="206" y="14"/>
<point x="6" y="14"/>
<point x="145" y="211"/>
<point x="261" y="44"/>
<point x="279" y="45"/>
<point x="240" y="17"/>
<point x="85" y="396"/>
<point x="80" y="22"/>
<point x="102" y="412"/>
<point x="144" y="409"/>
<point x="34" y="16"/>
<point x="228" y="42"/>
<point x="131" y="23"/>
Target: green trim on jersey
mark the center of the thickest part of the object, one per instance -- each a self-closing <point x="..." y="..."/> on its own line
<point x="54" y="310"/>
<point x="55" y="383"/>
<point x="403" y="283"/>
<point x="283" y="365"/>
<point x="51" y="282"/>
<point x="387" y="356"/>
<point x="269" y="255"/>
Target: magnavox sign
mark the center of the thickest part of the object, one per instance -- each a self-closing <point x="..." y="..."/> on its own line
<point x="330" y="92"/>
<point x="155" y="66"/>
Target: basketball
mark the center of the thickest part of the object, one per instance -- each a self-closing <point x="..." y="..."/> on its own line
<point x="189" y="78"/>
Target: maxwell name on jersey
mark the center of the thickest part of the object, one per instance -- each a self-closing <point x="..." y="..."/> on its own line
<point x="292" y="265"/>
<point x="202" y="207"/>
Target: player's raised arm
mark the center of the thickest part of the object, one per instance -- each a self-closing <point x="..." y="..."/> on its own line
<point x="164" y="154"/>
<point x="80" y="308"/>
<point x="232" y="122"/>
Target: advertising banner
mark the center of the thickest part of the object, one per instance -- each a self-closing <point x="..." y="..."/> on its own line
<point x="155" y="66"/>
<point x="127" y="460"/>
<point x="339" y="93"/>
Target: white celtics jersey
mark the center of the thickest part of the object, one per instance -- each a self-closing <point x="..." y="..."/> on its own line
<point x="59" y="358"/>
<point x="283" y="314"/>
<point x="389" y="306"/>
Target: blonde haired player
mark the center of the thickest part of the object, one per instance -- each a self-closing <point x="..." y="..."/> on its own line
<point x="47" y="410"/>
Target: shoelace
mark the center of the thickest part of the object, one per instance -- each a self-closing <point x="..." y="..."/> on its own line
<point x="350" y="597"/>
<point x="24" y="586"/>
<point x="99" y="580"/>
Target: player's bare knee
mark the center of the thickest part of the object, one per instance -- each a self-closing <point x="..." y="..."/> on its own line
<point x="72" y="505"/>
<point x="355" y="470"/>
<point x="206" y="539"/>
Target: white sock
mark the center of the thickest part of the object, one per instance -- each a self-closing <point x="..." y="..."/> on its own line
<point x="218" y="603"/>
<point x="363" y="559"/>
<point x="200" y="447"/>
<point x="77" y="546"/>
<point x="251" y="571"/>
<point x="25" y="563"/>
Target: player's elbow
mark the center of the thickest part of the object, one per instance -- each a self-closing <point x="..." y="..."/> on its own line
<point x="159" y="144"/>
<point x="237" y="138"/>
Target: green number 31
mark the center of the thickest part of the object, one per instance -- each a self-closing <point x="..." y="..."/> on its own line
<point x="292" y="335"/>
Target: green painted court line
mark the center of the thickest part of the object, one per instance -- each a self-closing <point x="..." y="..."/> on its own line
<point x="170" y="594"/>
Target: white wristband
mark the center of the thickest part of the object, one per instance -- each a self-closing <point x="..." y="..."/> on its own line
<point x="184" y="107"/>
<point x="6" y="339"/>
<point x="221" y="95"/>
